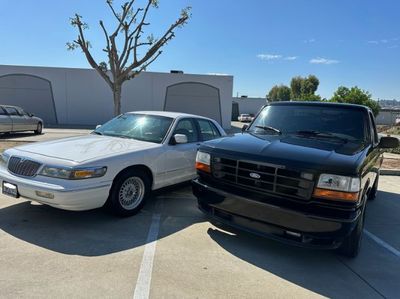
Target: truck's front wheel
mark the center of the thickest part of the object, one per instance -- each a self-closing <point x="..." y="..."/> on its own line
<point x="352" y="243"/>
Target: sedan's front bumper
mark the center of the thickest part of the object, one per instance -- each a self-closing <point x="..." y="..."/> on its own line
<point x="84" y="196"/>
<point x="309" y="229"/>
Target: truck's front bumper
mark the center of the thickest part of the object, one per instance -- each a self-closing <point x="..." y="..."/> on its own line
<point x="77" y="198"/>
<point x="304" y="229"/>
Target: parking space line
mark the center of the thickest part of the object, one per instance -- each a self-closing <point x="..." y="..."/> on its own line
<point x="142" y="289"/>
<point x="382" y="243"/>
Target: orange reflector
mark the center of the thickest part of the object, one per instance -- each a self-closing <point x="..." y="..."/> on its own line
<point x="335" y="195"/>
<point x="203" y="167"/>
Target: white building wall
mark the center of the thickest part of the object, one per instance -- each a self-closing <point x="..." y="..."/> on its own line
<point x="250" y="105"/>
<point x="83" y="98"/>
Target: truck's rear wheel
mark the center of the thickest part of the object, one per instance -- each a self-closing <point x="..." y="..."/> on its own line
<point x="129" y="193"/>
<point x="352" y="243"/>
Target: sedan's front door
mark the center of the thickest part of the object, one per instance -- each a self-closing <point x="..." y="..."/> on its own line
<point x="5" y="122"/>
<point x="17" y="120"/>
<point x="179" y="162"/>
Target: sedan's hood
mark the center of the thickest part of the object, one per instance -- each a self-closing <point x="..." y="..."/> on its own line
<point x="84" y="148"/>
<point x="293" y="151"/>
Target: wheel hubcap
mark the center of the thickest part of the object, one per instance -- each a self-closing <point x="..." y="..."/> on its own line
<point x="131" y="193"/>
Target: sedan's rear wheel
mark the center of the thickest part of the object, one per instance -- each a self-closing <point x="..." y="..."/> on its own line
<point x="129" y="193"/>
<point x="39" y="129"/>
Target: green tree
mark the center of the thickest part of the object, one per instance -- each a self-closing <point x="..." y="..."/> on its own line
<point x="303" y="89"/>
<point x="279" y="93"/>
<point x="355" y="95"/>
<point x="128" y="50"/>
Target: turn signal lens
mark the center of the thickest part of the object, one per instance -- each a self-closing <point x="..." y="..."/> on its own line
<point x="336" y="195"/>
<point x="203" y="167"/>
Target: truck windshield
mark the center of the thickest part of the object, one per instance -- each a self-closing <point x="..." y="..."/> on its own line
<point x="336" y="123"/>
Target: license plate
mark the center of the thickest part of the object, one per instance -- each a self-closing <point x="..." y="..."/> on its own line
<point x="10" y="189"/>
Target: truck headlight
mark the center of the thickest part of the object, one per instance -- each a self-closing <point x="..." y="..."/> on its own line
<point x="73" y="174"/>
<point x="203" y="161"/>
<point x="338" y="187"/>
<point x="4" y="159"/>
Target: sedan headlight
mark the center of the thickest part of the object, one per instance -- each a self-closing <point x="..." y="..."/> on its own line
<point x="73" y="174"/>
<point x="4" y="159"/>
<point x="339" y="187"/>
<point x="203" y="161"/>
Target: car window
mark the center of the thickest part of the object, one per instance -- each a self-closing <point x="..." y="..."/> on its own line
<point x="21" y="112"/>
<point x="344" y="122"/>
<point x="11" y="111"/>
<point x="2" y="112"/>
<point x="208" y="130"/>
<point x="186" y="127"/>
<point x="374" y="133"/>
<point x="150" y="128"/>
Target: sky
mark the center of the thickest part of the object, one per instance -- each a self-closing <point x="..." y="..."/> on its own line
<point x="260" y="42"/>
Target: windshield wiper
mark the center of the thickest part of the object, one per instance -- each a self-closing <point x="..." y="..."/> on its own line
<point x="314" y="133"/>
<point x="97" y="133"/>
<point x="268" y="128"/>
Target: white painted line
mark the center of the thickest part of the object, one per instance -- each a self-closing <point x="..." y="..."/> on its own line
<point x="382" y="243"/>
<point x="142" y="289"/>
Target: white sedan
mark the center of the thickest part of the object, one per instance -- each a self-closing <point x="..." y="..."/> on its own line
<point x="117" y="165"/>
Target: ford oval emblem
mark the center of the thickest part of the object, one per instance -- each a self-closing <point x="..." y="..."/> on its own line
<point x="255" y="175"/>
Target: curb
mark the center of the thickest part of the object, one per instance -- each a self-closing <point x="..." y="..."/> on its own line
<point x="390" y="172"/>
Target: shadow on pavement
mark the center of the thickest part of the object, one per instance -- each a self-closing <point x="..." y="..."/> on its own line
<point x="89" y="233"/>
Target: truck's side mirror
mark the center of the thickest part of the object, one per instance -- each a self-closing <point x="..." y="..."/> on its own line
<point x="245" y="127"/>
<point x="389" y="142"/>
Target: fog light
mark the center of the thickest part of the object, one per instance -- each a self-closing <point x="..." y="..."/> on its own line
<point x="44" y="194"/>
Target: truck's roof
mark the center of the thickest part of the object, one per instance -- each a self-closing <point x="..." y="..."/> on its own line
<point x="323" y="104"/>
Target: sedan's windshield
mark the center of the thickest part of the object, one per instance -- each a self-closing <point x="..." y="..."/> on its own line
<point x="151" y="128"/>
<point x="335" y="123"/>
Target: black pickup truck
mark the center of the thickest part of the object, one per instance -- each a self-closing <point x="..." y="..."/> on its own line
<point x="301" y="173"/>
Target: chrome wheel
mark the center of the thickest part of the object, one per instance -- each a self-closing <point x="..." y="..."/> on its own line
<point x="131" y="193"/>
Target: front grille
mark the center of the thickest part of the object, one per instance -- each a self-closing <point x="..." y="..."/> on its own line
<point x="23" y="167"/>
<point x="266" y="178"/>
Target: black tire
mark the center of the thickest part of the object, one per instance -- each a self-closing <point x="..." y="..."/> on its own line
<point x="374" y="190"/>
<point x="352" y="243"/>
<point x="39" y="129"/>
<point x="136" y="180"/>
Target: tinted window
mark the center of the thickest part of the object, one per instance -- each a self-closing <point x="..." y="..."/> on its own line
<point x="186" y="127"/>
<point x="345" y="122"/>
<point x="2" y="112"/>
<point x="149" y="128"/>
<point x="11" y="111"/>
<point x="21" y="112"/>
<point x="208" y="130"/>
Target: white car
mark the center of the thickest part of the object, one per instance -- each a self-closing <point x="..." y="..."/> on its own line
<point x="117" y="165"/>
<point x="245" y="118"/>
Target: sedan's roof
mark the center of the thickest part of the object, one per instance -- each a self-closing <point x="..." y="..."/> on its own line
<point x="168" y="114"/>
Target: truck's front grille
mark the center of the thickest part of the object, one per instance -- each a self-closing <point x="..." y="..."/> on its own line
<point x="23" y="167"/>
<point x="262" y="177"/>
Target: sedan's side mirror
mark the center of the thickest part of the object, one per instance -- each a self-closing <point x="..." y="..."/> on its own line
<point x="245" y="127"/>
<point x="98" y="126"/>
<point x="389" y="142"/>
<point x="31" y="115"/>
<point x="179" y="139"/>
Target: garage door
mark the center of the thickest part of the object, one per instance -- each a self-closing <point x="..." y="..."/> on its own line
<point x="31" y="93"/>
<point x="195" y="98"/>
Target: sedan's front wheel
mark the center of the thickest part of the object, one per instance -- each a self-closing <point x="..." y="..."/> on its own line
<point x="129" y="193"/>
<point x="39" y="129"/>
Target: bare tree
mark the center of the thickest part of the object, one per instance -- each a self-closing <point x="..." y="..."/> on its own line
<point x="124" y="44"/>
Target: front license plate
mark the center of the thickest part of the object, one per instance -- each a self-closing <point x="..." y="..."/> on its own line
<point x="10" y="189"/>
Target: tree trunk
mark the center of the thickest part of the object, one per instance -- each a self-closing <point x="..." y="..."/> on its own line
<point x="117" y="100"/>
